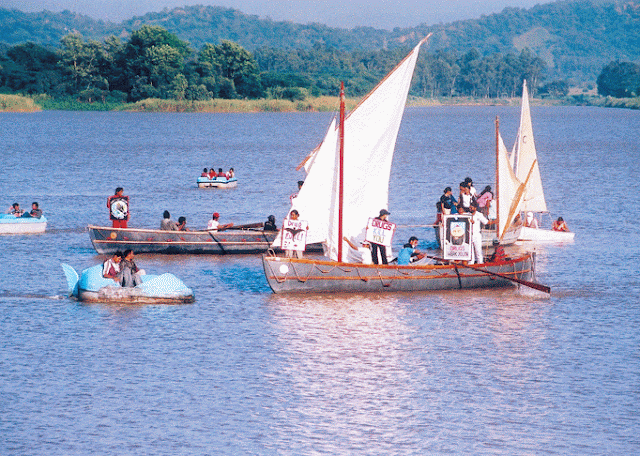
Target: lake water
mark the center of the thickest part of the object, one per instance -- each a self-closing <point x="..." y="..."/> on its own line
<point x="243" y="371"/>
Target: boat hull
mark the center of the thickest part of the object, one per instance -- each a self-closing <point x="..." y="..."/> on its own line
<point x="287" y="275"/>
<point x="509" y="238"/>
<point x="22" y="225"/>
<point x="131" y="296"/>
<point x="107" y="240"/>
<point x="203" y="182"/>
<point x="541" y="235"/>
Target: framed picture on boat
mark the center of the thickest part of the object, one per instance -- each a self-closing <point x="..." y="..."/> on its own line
<point x="380" y="231"/>
<point x="294" y="234"/>
<point x="457" y="237"/>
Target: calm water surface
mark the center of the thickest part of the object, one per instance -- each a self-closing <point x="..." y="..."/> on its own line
<point x="243" y="371"/>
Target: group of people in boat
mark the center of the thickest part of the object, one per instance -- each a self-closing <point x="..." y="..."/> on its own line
<point x="121" y="268"/>
<point x="213" y="174"/>
<point x="16" y="211"/>
<point x="167" y="224"/>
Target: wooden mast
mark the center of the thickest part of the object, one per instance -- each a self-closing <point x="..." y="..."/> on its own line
<point x="341" y="173"/>
<point x="497" y="177"/>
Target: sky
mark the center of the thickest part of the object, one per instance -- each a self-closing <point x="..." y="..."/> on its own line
<point x="382" y="14"/>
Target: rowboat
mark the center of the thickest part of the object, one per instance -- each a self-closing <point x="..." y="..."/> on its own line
<point x="108" y="240"/>
<point x="91" y="286"/>
<point x="347" y="183"/>
<point x="10" y="224"/>
<point x="217" y="182"/>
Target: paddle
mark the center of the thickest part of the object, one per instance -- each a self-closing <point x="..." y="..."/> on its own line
<point x="534" y="285"/>
<point x="231" y="226"/>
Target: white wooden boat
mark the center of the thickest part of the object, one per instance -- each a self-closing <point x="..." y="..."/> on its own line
<point x="347" y="183"/>
<point x="217" y="182"/>
<point x="542" y="235"/>
<point x="91" y="286"/>
<point x="10" y="224"/>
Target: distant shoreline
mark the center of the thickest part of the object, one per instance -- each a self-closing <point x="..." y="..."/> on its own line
<point x="17" y="103"/>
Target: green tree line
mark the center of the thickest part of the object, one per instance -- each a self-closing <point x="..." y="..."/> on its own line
<point x="154" y="63"/>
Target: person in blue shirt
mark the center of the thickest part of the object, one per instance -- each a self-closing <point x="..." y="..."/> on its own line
<point x="409" y="252"/>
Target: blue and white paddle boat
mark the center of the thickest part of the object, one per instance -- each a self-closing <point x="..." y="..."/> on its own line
<point x="91" y="286"/>
<point x="217" y="182"/>
<point x="10" y="224"/>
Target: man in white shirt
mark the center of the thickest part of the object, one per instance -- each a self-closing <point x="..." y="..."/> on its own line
<point x="477" y="219"/>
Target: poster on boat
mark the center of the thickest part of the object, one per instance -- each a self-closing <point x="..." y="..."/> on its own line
<point x="294" y="234"/>
<point x="380" y="231"/>
<point x="457" y="237"/>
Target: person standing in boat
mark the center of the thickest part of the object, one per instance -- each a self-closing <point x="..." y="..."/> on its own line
<point x="477" y="219"/>
<point x="484" y="199"/>
<point x="295" y="195"/>
<point x="384" y="216"/>
<point x="167" y="224"/>
<point x="118" y="206"/>
<point x="447" y="198"/>
<point x="111" y="267"/>
<point x="130" y="274"/>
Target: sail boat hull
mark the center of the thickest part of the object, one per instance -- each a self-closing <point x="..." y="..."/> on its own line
<point x="542" y="235"/>
<point x="288" y="275"/>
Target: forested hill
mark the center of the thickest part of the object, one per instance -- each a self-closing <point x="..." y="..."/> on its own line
<point x="575" y="38"/>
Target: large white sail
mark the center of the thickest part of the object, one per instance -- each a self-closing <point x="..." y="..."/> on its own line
<point x="508" y="185"/>
<point x="525" y="157"/>
<point x="370" y="133"/>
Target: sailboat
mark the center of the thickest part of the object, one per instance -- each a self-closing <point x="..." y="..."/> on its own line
<point x="530" y="199"/>
<point x="347" y="183"/>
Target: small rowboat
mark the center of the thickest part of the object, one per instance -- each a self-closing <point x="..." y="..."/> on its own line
<point x="108" y="240"/>
<point x="91" y="286"/>
<point x="218" y="182"/>
<point x="10" y="224"/>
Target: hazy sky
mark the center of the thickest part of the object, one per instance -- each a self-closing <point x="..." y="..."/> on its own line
<point x="385" y="14"/>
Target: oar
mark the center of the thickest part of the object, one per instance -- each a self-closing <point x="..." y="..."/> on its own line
<point x="537" y="286"/>
<point x="241" y="227"/>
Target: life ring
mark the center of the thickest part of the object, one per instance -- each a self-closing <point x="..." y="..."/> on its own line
<point x="119" y="209"/>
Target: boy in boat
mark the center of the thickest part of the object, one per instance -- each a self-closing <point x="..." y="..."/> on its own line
<point x="167" y="224"/>
<point x="35" y="212"/>
<point x="182" y="224"/>
<point x="111" y="267"/>
<point x="15" y="210"/>
<point x="129" y="273"/>
<point x="214" y="223"/>
<point x="560" y="225"/>
<point x="409" y="253"/>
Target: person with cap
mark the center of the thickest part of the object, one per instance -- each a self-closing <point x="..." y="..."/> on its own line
<point x="359" y="252"/>
<point x="530" y="221"/>
<point x="384" y="215"/>
<point x="409" y="252"/>
<point x="214" y="224"/>
<point x="167" y="224"/>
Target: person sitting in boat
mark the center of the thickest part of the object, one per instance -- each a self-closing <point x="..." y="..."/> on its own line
<point x="221" y="173"/>
<point x="531" y="221"/>
<point x="35" y="211"/>
<point x="498" y="253"/>
<point x="560" y="225"/>
<point x="361" y="254"/>
<point x="205" y="173"/>
<point x="477" y="220"/>
<point x="167" y="224"/>
<point x="384" y="215"/>
<point x="15" y="210"/>
<point x="212" y="173"/>
<point x="231" y="173"/>
<point x="409" y="253"/>
<point x="182" y="224"/>
<point x="111" y="267"/>
<point x="130" y="274"/>
<point x="270" y="224"/>
<point x="214" y="223"/>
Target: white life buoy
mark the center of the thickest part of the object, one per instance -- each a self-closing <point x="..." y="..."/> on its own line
<point x="119" y="209"/>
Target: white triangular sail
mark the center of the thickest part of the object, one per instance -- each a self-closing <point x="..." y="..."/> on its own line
<point x="508" y="185"/>
<point x="525" y="158"/>
<point x="370" y="133"/>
